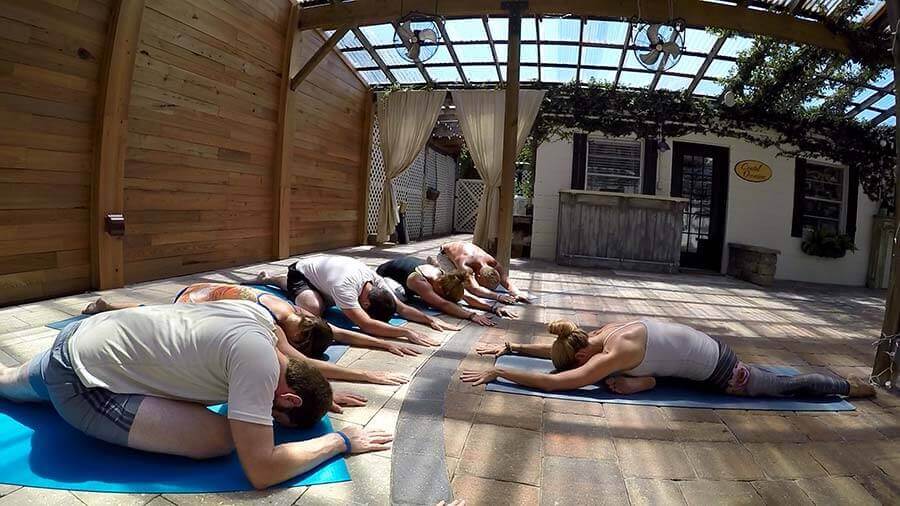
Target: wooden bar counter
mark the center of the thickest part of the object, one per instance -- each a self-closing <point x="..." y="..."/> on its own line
<point x="619" y="230"/>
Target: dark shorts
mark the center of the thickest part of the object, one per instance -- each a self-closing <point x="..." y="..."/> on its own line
<point x="721" y="377"/>
<point x="297" y="284"/>
<point x="96" y="412"/>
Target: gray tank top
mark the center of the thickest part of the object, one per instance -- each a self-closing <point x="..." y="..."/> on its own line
<point x="676" y="350"/>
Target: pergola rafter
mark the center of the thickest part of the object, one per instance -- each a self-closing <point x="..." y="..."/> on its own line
<point x="452" y="51"/>
<point x="374" y="54"/>
<point x="713" y="53"/>
<point x="490" y="38"/>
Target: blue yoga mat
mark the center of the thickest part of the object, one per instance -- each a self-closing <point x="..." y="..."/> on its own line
<point x="39" y="449"/>
<point x="668" y="392"/>
<point x="62" y="323"/>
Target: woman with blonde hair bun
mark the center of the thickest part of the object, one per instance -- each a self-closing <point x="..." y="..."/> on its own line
<point x="417" y="279"/>
<point x="630" y="355"/>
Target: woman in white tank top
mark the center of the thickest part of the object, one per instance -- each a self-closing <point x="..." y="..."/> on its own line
<point x="629" y="356"/>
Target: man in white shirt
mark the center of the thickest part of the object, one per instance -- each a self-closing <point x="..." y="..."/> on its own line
<point x="142" y="378"/>
<point x="318" y="282"/>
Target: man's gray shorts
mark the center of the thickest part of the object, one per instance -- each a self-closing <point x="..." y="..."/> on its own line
<point x="97" y="412"/>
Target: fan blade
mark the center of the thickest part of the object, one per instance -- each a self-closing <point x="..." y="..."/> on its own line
<point x="427" y="35"/>
<point x="650" y="58"/>
<point x="405" y="32"/>
<point x="672" y="49"/>
<point x="414" y="51"/>
<point x="653" y="34"/>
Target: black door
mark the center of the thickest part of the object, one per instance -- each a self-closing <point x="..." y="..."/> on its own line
<point x="700" y="174"/>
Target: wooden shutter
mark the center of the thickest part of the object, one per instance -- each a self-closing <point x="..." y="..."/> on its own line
<point x="579" y="160"/>
<point x="852" y="198"/>
<point x="799" y="178"/>
<point x="648" y="175"/>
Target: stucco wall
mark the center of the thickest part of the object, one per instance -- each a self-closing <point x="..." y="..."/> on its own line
<point x="757" y="213"/>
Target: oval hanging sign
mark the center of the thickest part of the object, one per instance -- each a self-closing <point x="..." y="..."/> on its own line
<point x="753" y="171"/>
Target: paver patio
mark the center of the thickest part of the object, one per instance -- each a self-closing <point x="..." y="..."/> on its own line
<point x="505" y="449"/>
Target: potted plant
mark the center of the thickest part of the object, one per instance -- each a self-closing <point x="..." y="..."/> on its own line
<point x="827" y="244"/>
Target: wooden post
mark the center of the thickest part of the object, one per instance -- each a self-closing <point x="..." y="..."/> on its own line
<point x="365" y="159"/>
<point x="318" y="56"/>
<point x="284" y="150"/>
<point x="884" y="370"/>
<point x="510" y="132"/>
<point x="108" y="178"/>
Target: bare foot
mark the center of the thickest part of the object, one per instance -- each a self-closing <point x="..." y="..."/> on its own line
<point x="625" y="386"/>
<point x="860" y="387"/>
<point x="98" y="306"/>
<point x="262" y="278"/>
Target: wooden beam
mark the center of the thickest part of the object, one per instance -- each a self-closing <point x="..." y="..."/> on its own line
<point x="581" y="23"/>
<point x="883" y="116"/>
<point x="884" y="368"/>
<point x="713" y="52"/>
<point x="108" y="178"/>
<point x="318" y="56"/>
<point x="451" y="50"/>
<point x="343" y="57"/>
<point x="284" y="147"/>
<point x="871" y="100"/>
<point x="698" y="13"/>
<point x="510" y="132"/>
<point x="375" y="56"/>
<point x="487" y="30"/>
<point x="417" y="63"/>
<point x="365" y="158"/>
<point x="625" y="48"/>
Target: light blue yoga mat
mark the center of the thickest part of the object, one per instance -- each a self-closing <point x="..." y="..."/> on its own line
<point x="668" y="392"/>
<point x="62" y="323"/>
<point x="39" y="449"/>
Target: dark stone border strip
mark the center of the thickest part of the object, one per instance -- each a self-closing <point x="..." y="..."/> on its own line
<point x="419" y="469"/>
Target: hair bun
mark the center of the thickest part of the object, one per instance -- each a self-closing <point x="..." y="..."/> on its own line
<point x="562" y="328"/>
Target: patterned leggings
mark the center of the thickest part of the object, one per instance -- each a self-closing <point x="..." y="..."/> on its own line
<point x="737" y="378"/>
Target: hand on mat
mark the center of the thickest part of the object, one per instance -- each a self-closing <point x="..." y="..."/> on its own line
<point x="439" y="325"/>
<point x="494" y="350"/>
<point x="522" y="298"/>
<point x="420" y="339"/>
<point x="386" y="378"/>
<point x="346" y="399"/>
<point x="506" y="313"/>
<point x="483" y="320"/>
<point x="478" y="377"/>
<point x="506" y="298"/>
<point x="367" y="440"/>
<point x="401" y="350"/>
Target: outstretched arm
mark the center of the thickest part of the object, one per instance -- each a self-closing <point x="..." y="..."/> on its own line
<point x="378" y="328"/>
<point x="474" y="288"/>
<point x="424" y="290"/>
<point x="531" y="350"/>
<point x="413" y="314"/>
<point x="495" y="308"/>
<point x="598" y="367"/>
<point x="506" y="283"/>
<point x="266" y="464"/>
<point x="353" y="338"/>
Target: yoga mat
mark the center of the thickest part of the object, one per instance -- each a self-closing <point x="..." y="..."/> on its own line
<point x="336" y="317"/>
<point x="334" y="352"/>
<point x="39" y="449"/>
<point x="62" y="323"/>
<point x="669" y="392"/>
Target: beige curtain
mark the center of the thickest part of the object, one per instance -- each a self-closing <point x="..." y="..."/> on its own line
<point x="481" y="114"/>
<point x="405" y="122"/>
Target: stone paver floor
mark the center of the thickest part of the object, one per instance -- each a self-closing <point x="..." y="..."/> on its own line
<point x="503" y="449"/>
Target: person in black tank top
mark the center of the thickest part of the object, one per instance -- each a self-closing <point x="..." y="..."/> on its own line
<point x="440" y="290"/>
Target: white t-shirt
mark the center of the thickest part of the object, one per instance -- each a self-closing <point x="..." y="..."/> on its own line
<point x="209" y="353"/>
<point x="339" y="279"/>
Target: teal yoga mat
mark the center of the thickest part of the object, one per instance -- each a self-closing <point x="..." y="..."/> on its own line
<point x="62" y="323"/>
<point x="668" y="392"/>
<point x="39" y="449"/>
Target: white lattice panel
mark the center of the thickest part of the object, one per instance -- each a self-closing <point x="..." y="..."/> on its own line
<point x="409" y="187"/>
<point x="468" y="194"/>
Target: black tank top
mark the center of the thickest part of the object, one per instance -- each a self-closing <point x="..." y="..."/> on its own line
<point x="399" y="270"/>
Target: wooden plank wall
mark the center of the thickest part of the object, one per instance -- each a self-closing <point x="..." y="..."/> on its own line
<point x="328" y="159"/>
<point x="50" y="58"/>
<point x="201" y="141"/>
<point x="202" y="124"/>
